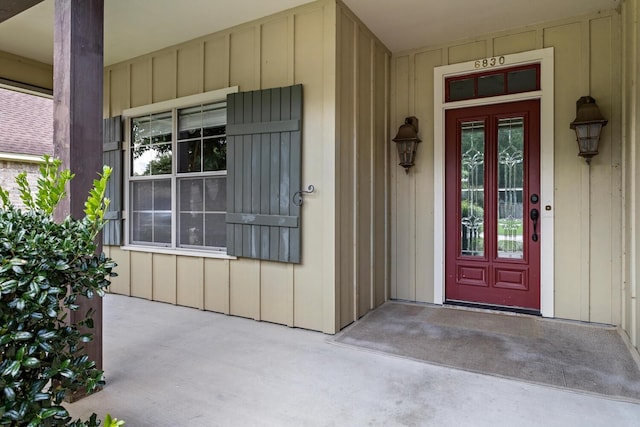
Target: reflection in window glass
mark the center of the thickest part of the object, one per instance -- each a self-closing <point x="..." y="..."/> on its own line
<point x="491" y="85"/>
<point x="151" y="159"/>
<point x="216" y="194"/>
<point x="194" y="192"/>
<point x="461" y="89"/>
<point x="510" y="187"/>
<point x="151" y="152"/>
<point x="189" y="156"/>
<point x="522" y="81"/>
<point x="472" y="189"/>
<point x="196" y="154"/>
<point x="215" y="154"/>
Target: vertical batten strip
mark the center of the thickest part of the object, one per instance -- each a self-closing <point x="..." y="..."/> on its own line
<point x="257" y="51"/>
<point x="585" y="181"/>
<point x="265" y="174"/>
<point x="295" y="168"/>
<point x="372" y="168"/>
<point x="256" y="139"/>
<point x="227" y="58"/>
<point x="246" y="172"/>
<point x="291" y="29"/>
<point x="354" y="171"/>
<point x="274" y="181"/>
<point x="387" y="179"/>
<point x="285" y="189"/>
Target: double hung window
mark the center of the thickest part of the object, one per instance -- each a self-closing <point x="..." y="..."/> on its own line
<point x="177" y="180"/>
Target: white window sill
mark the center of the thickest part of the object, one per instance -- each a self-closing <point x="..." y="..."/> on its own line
<point x="180" y="252"/>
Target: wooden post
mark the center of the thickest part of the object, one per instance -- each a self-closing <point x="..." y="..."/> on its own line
<point x="77" y="117"/>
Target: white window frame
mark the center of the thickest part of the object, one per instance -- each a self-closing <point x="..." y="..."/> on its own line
<point x="172" y="105"/>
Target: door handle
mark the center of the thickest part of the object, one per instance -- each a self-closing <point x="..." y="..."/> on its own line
<point x="534" y="215"/>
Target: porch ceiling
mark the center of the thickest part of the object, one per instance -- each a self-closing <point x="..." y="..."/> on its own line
<point x="135" y="27"/>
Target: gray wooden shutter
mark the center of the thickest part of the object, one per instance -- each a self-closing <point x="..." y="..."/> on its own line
<point x="263" y="173"/>
<point x="112" y="156"/>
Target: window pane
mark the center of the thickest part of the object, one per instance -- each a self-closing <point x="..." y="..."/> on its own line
<point x="491" y="85"/>
<point x="215" y="154"/>
<point x="510" y="187"/>
<point x="215" y="131"/>
<point x="162" y="195"/>
<point x="151" y="129"/>
<point x="190" y="123"/>
<point x="191" y="195"/>
<point x="522" y="80"/>
<point x="151" y="159"/>
<point x="189" y="156"/>
<point x="142" y="227"/>
<point x="162" y="227"/>
<point x="151" y="145"/>
<point x="461" y="89"/>
<point x="215" y="230"/>
<point x="142" y="196"/>
<point x="197" y="226"/>
<point x="191" y="229"/>
<point x="214" y="115"/>
<point x="472" y="189"/>
<point x="151" y="211"/>
<point x="216" y="194"/>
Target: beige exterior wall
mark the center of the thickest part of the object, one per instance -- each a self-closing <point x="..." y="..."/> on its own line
<point x="587" y="200"/>
<point x="26" y="71"/>
<point x="362" y="164"/>
<point x="296" y="46"/>
<point x="631" y="168"/>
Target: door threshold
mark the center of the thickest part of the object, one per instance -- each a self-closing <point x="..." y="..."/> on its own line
<point x="519" y="310"/>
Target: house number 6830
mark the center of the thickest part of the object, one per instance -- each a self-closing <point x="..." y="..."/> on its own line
<point x="489" y="62"/>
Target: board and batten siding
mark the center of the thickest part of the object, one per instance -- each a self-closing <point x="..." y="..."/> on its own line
<point x="587" y="201"/>
<point x="361" y="168"/>
<point x="293" y="47"/>
<point x="631" y="169"/>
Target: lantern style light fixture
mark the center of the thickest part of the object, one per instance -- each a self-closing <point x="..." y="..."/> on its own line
<point x="588" y="126"/>
<point x="407" y="141"/>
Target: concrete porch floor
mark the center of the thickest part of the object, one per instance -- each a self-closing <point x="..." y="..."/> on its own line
<point x="174" y="366"/>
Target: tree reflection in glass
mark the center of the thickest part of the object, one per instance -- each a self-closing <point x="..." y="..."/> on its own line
<point x="472" y="188"/>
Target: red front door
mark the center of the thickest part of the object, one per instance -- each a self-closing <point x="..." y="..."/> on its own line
<point x="493" y="205"/>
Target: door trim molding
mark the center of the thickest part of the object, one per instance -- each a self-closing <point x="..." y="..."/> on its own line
<point x="546" y="97"/>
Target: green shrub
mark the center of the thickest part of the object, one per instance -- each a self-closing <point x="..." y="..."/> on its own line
<point x="44" y="268"/>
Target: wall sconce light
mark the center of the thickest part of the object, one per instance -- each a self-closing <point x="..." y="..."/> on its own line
<point x="588" y="125"/>
<point x="407" y="141"/>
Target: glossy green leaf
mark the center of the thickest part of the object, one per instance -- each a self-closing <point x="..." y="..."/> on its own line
<point x="31" y="362"/>
<point x="9" y="394"/>
<point x="22" y="336"/>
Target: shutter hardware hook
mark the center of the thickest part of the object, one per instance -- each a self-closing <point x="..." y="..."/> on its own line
<point x="297" y="196"/>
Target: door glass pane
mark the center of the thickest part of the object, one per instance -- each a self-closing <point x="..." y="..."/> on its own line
<point x="472" y="189"/>
<point x="510" y="187"/>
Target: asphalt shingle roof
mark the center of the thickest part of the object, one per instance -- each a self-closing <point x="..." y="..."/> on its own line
<point x="26" y="123"/>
